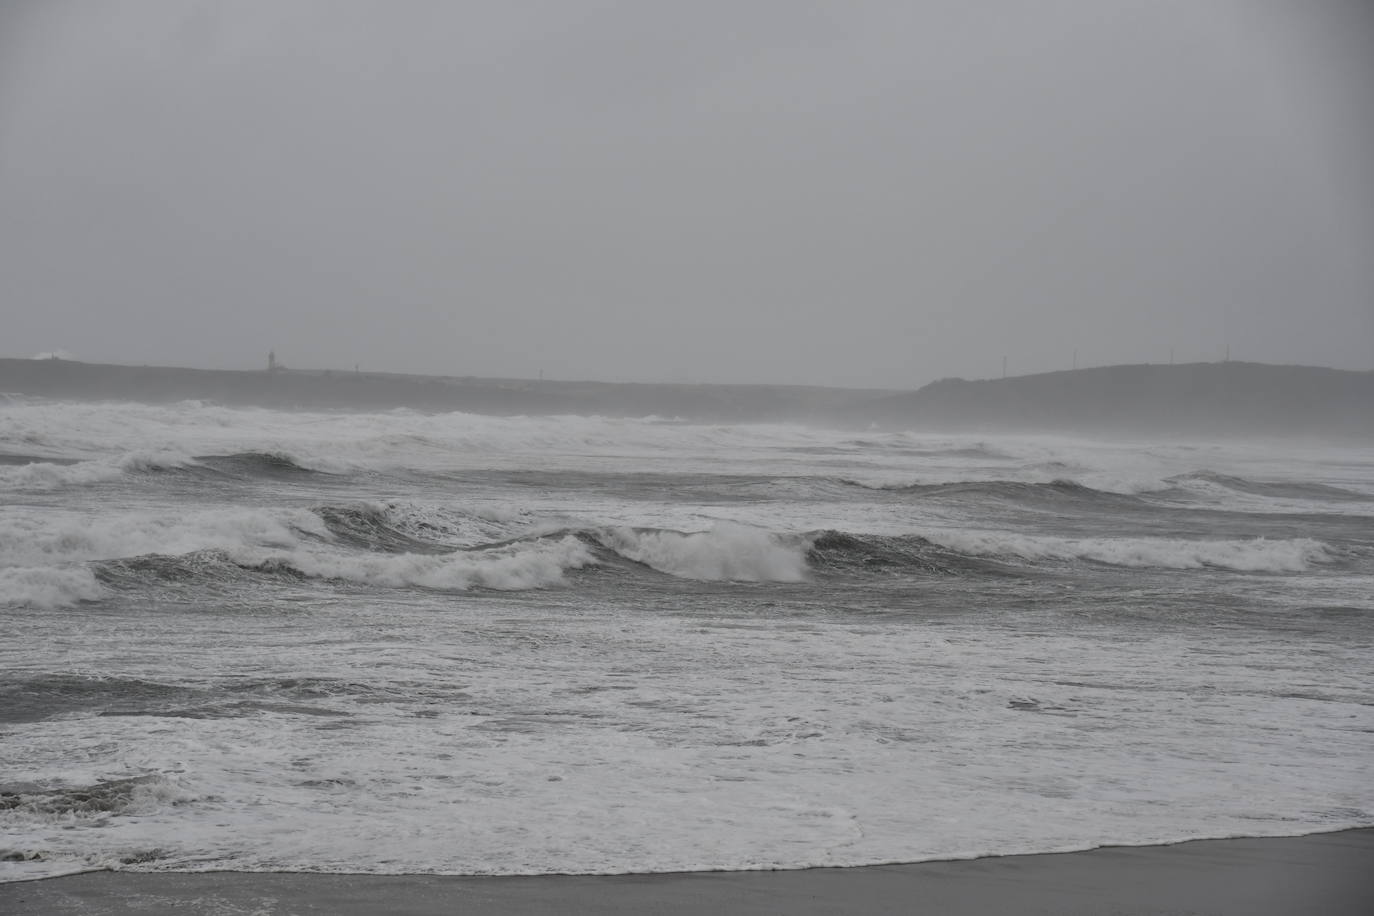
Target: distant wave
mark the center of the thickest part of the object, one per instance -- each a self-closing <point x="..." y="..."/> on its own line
<point x="37" y="473"/>
<point x="1013" y="490"/>
<point x="17" y="460"/>
<point x="902" y="444"/>
<point x="983" y="452"/>
<point x="1241" y="555"/>
<point x="1280" y="490"/>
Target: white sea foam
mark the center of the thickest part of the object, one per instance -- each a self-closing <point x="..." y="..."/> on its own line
<point x="726" y="552"/>
<point x="525" y="742"/>
<point x="47" y="587"/>
<point x="294" y="538"/>
<point x="642" y="724"/>
<point x="524" y="565"/>
<point x="44" y="475"/>
<point x="28" y="538"/>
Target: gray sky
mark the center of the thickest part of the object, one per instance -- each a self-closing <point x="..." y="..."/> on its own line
<point x="852" y="193"/>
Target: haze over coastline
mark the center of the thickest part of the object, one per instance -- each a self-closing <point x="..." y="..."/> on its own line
<point x="1202" y="399"/>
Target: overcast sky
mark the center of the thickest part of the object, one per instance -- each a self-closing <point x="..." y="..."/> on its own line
<point x="851" y="193"/>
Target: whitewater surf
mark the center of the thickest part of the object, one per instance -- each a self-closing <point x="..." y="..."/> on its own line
<point x="249" y="639"/>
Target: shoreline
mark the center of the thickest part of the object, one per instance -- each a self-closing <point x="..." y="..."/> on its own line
<point x="1330" y="873"/>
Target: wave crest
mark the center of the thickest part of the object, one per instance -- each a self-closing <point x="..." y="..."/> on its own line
<point x="726" y="552"/>
<point x="48" y="587"/>
<point x="1059" y="489"/>
<point x="538" y="563"/>
<point x="53" y="475"/>
<point x="1246" y="555"/>
<point x="1211" y="480"/>
<point x="37" y="540"/>
<point x="273" y="464"/>
<point x="399" y="526"/>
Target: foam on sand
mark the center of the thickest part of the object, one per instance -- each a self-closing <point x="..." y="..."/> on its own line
<point x="1275" y="876"/>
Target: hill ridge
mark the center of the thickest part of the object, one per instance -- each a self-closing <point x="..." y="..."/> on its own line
<point x="1229" y="398"/>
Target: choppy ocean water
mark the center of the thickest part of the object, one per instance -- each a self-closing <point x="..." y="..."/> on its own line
<point x="251" y="639"/>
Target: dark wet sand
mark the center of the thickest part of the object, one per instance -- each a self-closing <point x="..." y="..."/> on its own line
<point x="1331" y="873"/>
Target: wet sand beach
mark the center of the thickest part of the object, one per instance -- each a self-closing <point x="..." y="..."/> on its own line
<point x="1331" y="873"/>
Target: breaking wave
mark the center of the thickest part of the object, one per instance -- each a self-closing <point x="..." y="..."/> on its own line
<point x="53" y="561"/>
<point x="727" y="552"/>
<point x="48" y="587"/>
<point x="46" y="541"/>
<point x="47" y="474"/>
<point x="518" y="566"/>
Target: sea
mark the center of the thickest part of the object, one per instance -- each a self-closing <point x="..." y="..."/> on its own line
<point x="249" y="639"/>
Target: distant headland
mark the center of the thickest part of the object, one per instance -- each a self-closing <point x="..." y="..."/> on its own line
<point x="1197" y="399"/>
<point x="311" y="389"/>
